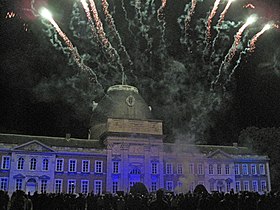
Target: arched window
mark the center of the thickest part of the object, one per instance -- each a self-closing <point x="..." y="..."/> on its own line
<point x="45" y="164"/>
<point x="33" y="163"/>
<point x="20" y="163"/>
<point x="135" y="171"/>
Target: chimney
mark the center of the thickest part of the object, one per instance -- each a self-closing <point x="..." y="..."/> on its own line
<point x="68" y="136"/>
<point x="235" y="144"/>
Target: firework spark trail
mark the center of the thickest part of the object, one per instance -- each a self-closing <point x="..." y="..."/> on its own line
<point x="73" y="50"/>
<point x="112" y="26"/>
<point x="87" y="11"/>
<point x="189" y="16"/>
<point x="255" y="38"/>
<point x="229" y="56"/>
<point x="148" y="4"/>
<point x="105" y="42"/>
<point x="220" y="21"/>
<point x="236" y="42"/>
<point x="250" y="48"/>
<point x="126" y="17"/>
<point x="244" y="52"/>
<point x="210" y="19"/>
<point x="223" y="14"/>
<point x="161" y="19"/>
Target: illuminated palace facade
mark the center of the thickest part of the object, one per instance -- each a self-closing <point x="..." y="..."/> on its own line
<point x="125" y="146"/>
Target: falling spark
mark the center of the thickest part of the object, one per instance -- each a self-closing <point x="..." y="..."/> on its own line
<point x="233" y="48"/>
<point x="250" y="48"/>
<point x="249" y="6"/>
<point x="161" y="19"/>
<point x="87" y="11"/>
<point x="223" y="14"/>
<point x="255" y="38"/>
<point x="189" y="16"/>
<point x="105" y="42"/>
<point x="112" y="26"/>
<point x="210" y="18"/>
<point x="160" y="13"/>
<point x="77" y="58"/>
<point x="238" y="36"/>
<point x="10" y="15"/>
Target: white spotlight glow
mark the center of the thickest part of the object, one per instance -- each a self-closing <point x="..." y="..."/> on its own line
<point x="45" y="13"/>
<point x="267" y="27"/>
<point x="251" y="19"/>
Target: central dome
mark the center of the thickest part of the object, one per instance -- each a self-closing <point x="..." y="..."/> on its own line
<point x="121" y="102"/>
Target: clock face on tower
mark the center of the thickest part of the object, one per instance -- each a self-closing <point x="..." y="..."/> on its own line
<point x="130" y="100"/>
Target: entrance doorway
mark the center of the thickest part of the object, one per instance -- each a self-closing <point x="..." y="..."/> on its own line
<point x="31" y="186"/>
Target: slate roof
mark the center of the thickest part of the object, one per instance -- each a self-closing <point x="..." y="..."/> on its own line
<point x="121" y="101"/>
<point x="207" y="149"/>
<point x="49" y="141"/>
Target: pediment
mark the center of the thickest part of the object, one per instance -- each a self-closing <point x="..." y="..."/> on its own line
<point x="34" y="146"/>
<point x="219" y="154"/>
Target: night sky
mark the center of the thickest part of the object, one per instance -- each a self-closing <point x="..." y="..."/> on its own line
<point x="44" y="93"/>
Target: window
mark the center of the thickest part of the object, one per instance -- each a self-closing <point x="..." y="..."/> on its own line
<point x="169" y="168"/>
<point x="263" y="185"/>
<point x="262" y="169"/>
<point x="154" y="168"/>
<point x="6" y="162"/>
<point x="179" y="184"/>
<point x="169" y="186"/>
<point x="255" y="185"/>
<point x="236" y="169"/>
<point x="85" y="166"/>
<point x="18" y="184"/>
<point x="20" y="163"/>
<point x="97" y="186"/>
<point x="179" y="168"/>
<point x="191" y="186"/>
<point x="191" y="168"/>
<point x="98" y="166"/>
<point x="245" y="169"/>
<point x="4" y="184"/>
<point x="253" y="169"/>
<point x="71" y="186"/>
<point x="219" y="169"/>
<point x="84" y="186"/>
<point x="154" y="186"/>
<point x="200" y="169"/>
<point x="228" y="186"/>
<point x="43" y="186"/>
<point x="58" y="186"/>
<point x="211" y="169"/>
<point x="33" y="163"/>
<point x="237" y="186"/>
<point x="116" y="167"/>
<point x="59" y="165"/>
<point x="135" y="171"/>
<point x="227" y="170"/>
<point x="211" y="186"/>
<point x="115" y="187"/>
<point x="45" y="164"/>
<point x="246" y="186"/>
<point x="72" y="165"/>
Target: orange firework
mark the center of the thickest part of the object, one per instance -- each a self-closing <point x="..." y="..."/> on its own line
<point x="255" y="38"/>
<point x="237" y="38"/>
<point x="210" y="18"/>
<point x="224" y="12"/>
<point x="190" y="14"/>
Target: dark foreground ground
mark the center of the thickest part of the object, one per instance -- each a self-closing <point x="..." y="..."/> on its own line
<point x="189" y="201"/>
